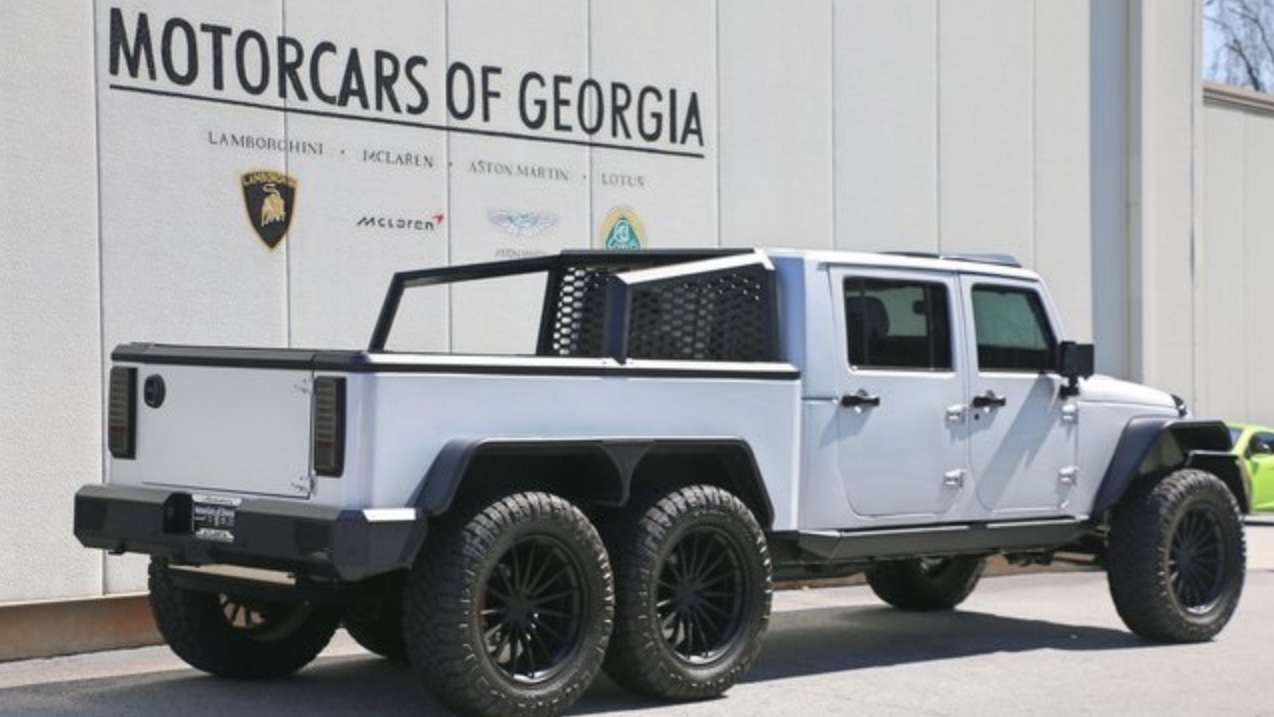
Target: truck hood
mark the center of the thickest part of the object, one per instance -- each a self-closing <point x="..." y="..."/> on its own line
<point x="1105" y="389"/>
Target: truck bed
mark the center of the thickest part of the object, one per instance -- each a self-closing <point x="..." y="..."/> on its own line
<point x="237" y="421"/>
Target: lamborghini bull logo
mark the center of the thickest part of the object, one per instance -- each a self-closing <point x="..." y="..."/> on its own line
<point x="272" y="209"/>
<point x="270" y="199"/>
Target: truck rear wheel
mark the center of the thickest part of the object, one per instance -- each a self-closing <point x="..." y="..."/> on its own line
<point x="509" y="608"/>
<point x="693" y="585"/>
<point x="1176" y="557"/>
<point x="377" y="623"/>
<point x="926" y="583"/>
<point x="237" y="637"/>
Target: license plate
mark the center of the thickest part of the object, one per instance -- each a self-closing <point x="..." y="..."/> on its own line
<point x="213" y="517"/>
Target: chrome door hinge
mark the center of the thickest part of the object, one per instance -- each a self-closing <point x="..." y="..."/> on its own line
<point x="1068" y="476"/>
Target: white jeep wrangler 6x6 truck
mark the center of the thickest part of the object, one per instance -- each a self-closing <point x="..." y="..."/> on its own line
<point x="691" y="426"/>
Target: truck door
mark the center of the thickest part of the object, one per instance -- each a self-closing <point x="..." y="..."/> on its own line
<point x="1022" y="432"/>
<point x="900" y="434"/>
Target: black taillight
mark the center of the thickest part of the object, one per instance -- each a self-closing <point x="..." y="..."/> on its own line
<point x="329" y="426"/>
<point x="121" y="414"/>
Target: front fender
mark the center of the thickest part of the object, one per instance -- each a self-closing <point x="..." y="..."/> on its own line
<point x="1152" y="445"/>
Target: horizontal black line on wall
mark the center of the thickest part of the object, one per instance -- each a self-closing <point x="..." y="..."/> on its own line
<point x="406" y="123"/>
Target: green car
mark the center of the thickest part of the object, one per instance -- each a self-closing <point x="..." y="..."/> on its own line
<point x="1256" y="444"/>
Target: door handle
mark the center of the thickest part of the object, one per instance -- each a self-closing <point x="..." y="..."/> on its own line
<point x="859" y="400"/>
<point x="990" y="399"/>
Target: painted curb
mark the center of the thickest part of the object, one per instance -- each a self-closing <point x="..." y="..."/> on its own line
<point x="67" y="627"/>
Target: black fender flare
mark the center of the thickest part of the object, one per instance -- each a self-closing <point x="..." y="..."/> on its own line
<point x="597" y="471"/>
<point x="1150" y="445"/>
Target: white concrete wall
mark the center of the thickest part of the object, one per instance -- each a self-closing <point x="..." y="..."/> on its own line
<point x="965" y="128"/>
<point x="1233" y="337"/>
<point x="775" y="67"/>
<point x="50" y="298"/>
<point x="984" y="125"/>
<point x="1164" y="185"/>
<point x="1110" y="125"/>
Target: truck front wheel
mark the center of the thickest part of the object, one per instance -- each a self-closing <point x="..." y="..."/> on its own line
<point x="509" y="607"/>
<point x="693" y="585"/>
<point x="926" y="583"/>
<point x="1176" y="557"/>
<point x="236" y="637"/>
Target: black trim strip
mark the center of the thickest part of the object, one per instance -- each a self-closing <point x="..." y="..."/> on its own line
<point x="942" y="539"/>
<point x="780" y="373"/>
<point x="227" y="356"/>
<point x="363" y="362"/>
<point x="415" y="125"/>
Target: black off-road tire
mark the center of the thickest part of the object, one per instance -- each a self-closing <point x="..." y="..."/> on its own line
<point x="509" y="607"/>
<point x="693" y="585"/>
<point x="377" y="624"/>
<point x="926" y="583"/>
<point x="1177" y="557"/>
<point x="235" y="637"/>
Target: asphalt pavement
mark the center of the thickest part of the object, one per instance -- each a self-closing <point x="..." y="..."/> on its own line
<point x="1042" y="643"/>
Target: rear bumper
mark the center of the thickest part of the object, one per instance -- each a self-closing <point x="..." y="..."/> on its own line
<point x="283" y="535"/>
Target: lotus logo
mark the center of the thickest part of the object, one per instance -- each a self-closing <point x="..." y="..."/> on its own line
<point x="623" y="230"/>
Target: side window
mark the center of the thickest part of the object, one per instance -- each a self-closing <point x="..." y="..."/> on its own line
<point x="897" y="324"/>
<point x="1262" y="444"/>
<point x="1012" y="329"/>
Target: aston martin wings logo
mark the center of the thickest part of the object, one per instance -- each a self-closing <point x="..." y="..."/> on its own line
<point x="521" y="224"/>
<point x="270" y="199"/>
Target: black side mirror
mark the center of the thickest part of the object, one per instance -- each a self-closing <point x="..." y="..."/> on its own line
<point x="1074" y="361"/>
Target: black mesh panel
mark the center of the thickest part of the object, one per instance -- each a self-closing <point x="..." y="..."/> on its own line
<point x="580" y="311"/>
<point x="715" y="316"/>
<point x="702" y="317"/>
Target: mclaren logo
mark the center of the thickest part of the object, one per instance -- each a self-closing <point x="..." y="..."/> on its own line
<point x="270" y="198"/>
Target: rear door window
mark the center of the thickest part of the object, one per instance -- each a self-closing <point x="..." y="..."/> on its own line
<point x="897" y="324"/>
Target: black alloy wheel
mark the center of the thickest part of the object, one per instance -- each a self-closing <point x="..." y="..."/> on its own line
<point x="1196" y="560"/>
<point x="1176" y="556"/>
<point x="531" y="609"/>
<point x="927" y="583"/>
<point x="693" y="588"/>
<point x="509" y="608"/>
<point x="700" y="599"/>
<point x="236" y="636"/>
<point x="259" y="620"/>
